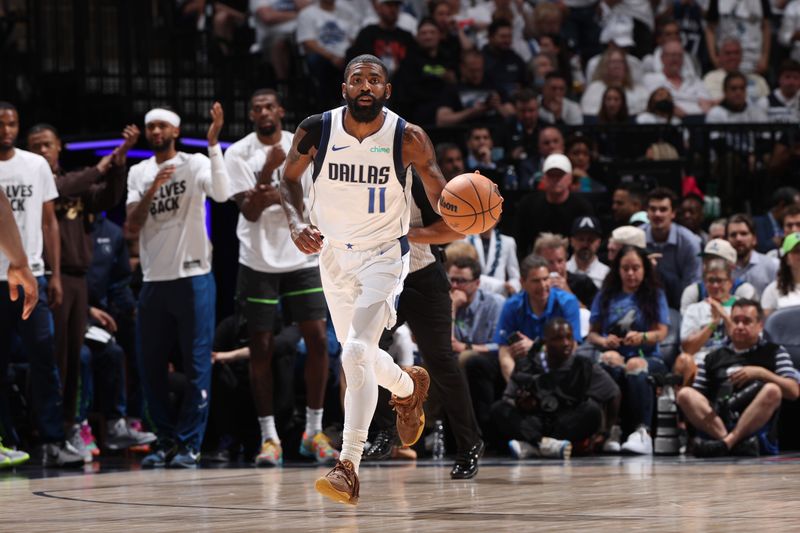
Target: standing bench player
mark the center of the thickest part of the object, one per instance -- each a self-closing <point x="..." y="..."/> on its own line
<point x="360" y="213"/>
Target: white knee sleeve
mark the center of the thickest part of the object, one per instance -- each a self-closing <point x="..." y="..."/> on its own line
<point x="354" y="363"/>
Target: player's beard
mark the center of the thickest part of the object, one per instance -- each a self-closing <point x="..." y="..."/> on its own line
<point x="365" y="114"/>
<point x="163" y="146"/>
<point x="266" y="131"/>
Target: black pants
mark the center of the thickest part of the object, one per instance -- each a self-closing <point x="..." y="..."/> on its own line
<point x="486" y="385"/>
<point x="425" y="304"/>
<point x="70" y="326"/>
<point x="574" y="425"/>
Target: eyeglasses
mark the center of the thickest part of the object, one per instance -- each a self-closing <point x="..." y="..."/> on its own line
<point x="716" y="281"/>
<point x="460" y="281"/>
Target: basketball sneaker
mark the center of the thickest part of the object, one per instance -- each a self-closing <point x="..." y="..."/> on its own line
<point x="61" y="454"/>
<point x="340" y="484"/>
<point x="639" y="442"/>
<point x="410" y="415"/>
<point x="75" y="439"/>
<point x="185" y="458"/>
<point x="382" y="446"/>
<point x="521" y="449"/>
<point x="271" y="454"/>
<point x="613" y="443"/>
<point x="5" y="462"/>
<point x="318" y="447"/>
<point x="555" y="449"/>
<point x="121" y="435"/>
<point x="160" y="455"/>
<point x="15" y="457"/>
<point x="88" y="439"/>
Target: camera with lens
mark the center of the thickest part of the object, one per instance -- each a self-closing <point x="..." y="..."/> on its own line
<point x="532" y="395"/>
<point x="731" y="404"/>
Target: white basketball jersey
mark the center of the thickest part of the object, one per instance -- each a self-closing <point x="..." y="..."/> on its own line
<point x="361" y="192"/>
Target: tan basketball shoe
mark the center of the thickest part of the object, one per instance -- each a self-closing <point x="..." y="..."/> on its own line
<point x="410" y="416"/>
<point x="340" y="484"/>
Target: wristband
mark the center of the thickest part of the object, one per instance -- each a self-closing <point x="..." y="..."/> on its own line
<point x="712" y="326"/>
<point x="644" y="337"/>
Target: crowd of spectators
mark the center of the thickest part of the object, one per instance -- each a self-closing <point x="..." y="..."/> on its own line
<point x="560" y="315"/>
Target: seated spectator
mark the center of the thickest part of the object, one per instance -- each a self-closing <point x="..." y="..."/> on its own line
<point x="697" y="292"/>
<point x="716" y="230"/>
<point x="522" y="135"/>
<point x="785" y="290"/>
<point x="585" y="239"/>
<point x="552" y="403"/>
<point x="739" y="388"/>
<point x="276" y="23"/>
<point x="475" y="312"/>
<point x="751" y="266"/>
<point x="660" y="109"/>
<point x="734" y="107"/>
<point x="730" y="60"/>
<point x="406" y="20"/>
<point x="551" y="141"/>
<point x="691" y="217"/>
<point x="462" y="249"/>
<point x="553" y="248"/>
<point x="475" y="98"/>
<point x="543" y="64"/>
<point x="789" y="32"/>
<point x="769" y="230"/>
<point x="566" y="63"/>
<point x="555" y="107"/>
<point x="679" y="264"/>
<point x="629" y="319"/>
<point x="519" y="14"/>
<point x="689" y="94"/>
<point x="450" y="160"/>
<point x="670" y="30"/>
<point x="325" y="32"/>
<point x="625" y="236"/>
<point x="453" y="35"/>
<point x="481" y="153"/>
<point x="554" y="208"/>
<point x="504" y="66"/>
<point x="521" y="321"/>
<point x="627" y="199"/>
<point x="634" y="63"/>
<point x="705" y="324"/>
<point x="791" y="224"/>
<point x="579" y="151"/>
<point x="749" y="24"/>
<point x="434" y="71"/>
<point x="497" y="256"/>
<point x="613" y="72"/>
<point x="614" y="109"/>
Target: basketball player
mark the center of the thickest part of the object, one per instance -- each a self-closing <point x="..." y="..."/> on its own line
<point x="360" y="206"/>
<point x="19" y="273"/>
<point x="272" y="270"/>
<point x="166" y="208"/>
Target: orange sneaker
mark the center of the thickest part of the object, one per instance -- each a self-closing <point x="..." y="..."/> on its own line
<point x="340" y="484"/>
<point x="410" y="416"/>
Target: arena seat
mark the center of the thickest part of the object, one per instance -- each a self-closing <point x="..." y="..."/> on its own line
<point x="670" y="347"/>
<point x="781" y="328"/>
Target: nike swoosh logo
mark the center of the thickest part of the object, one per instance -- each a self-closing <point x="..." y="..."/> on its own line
<point x="337" y="148"/>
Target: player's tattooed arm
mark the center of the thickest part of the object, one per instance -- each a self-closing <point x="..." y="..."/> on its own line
<point x="306" y="237"/>
<point x="418" y="151"/>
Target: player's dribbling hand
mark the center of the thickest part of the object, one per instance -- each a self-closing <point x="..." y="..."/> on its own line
<point x="307" y="238"/>
<point x="217" y="120"/>
<point x="23" y="276"/>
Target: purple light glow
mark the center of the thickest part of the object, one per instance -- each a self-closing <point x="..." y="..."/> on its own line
<point x="93" y="145"/>
<point x="201" y="143"/>
<point x="133" y="154"/>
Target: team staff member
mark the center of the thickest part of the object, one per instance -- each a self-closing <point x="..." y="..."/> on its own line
<point x="166" y="208"/>
<point x="272" y="270"/>
<point x="28" y="182"/>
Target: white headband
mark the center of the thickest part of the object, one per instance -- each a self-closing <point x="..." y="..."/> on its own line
<point x="164" y="115"/>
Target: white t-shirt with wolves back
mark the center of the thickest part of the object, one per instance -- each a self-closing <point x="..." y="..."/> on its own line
<point x="28" y="182"/>
<point x="173" y="241"/>
<point x="265" y="245"/>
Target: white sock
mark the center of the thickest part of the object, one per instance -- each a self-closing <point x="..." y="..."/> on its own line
<point x="353" y="446"/>
<point x="313" y="421"/>
<point x="392" y="377"/>
<point x="268" y="430"/>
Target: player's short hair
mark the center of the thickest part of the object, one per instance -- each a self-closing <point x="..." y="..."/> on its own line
<point x="741" y="218"/>
<point x="553" y="325"/>
<point x="368" y="59"/>
<point x="550" y="241"/>
<point x="7" y="106"/>
<point x="663" y="193"/>
<point x="266" y="92"/>
<point x="43" y="126"/>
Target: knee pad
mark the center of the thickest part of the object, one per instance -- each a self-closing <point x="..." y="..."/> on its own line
<point x="354" y="362"/>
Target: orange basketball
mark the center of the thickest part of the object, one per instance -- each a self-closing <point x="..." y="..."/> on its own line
<point x="471" y="203"/>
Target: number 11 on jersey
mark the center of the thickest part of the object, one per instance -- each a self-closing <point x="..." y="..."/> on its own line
<point x="381" y="199"/>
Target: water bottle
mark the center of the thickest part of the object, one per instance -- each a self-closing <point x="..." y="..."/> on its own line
<point x="438" y="440"/>
<point x="666" y="441"/>
<point x="511" y="182"/>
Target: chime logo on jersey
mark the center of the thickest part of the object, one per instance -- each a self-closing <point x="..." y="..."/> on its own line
<point x="17" y="194"/>
<point x="353" y="173"/>
<point x="168" y="198"/>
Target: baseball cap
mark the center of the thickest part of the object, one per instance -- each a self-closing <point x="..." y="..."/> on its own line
<point x="720" y="248"/>
<point x="629" y="235"/>
<point x="789" y="242"/>
<point x="588" y="224"/>
<point x="559" y="161"/>
<point x="639" y="218"/>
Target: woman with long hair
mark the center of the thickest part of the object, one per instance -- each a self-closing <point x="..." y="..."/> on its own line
<point x="613" y="70"/>
<point x="629" y="319"/>
<point x="614" y="109"/>
<point x="785" y="290"/>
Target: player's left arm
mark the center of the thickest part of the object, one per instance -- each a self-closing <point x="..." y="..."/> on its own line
<point x="436" y="233"/>
<point x="306" y="237"/>
<point x="418" y="151"/>
<point x="52" y="249"/>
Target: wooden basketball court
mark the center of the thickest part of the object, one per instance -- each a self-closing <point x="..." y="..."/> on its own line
<point x="588" y="494"/>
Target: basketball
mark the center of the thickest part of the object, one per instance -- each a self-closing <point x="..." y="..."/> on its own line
<point x="471" y="203"/>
